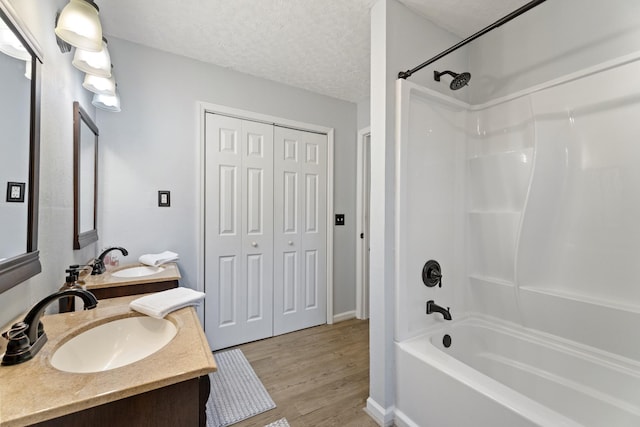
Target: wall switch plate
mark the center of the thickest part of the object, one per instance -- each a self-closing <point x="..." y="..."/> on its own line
<point x="339" y="219"/>
<point x="164" y="199"/>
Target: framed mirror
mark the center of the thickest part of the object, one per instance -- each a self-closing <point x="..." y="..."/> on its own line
<point x="20" y="59"/>
<point x="85" y="178"/>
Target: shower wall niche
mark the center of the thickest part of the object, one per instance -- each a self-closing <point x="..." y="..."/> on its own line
<point x="500" y="147"/>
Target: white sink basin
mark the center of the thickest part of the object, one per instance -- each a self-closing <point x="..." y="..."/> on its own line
<point x="138" y="271"/>
<point x="113" y="344"/>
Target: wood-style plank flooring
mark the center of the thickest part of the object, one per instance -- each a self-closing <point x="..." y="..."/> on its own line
<point x="317" y="377"/>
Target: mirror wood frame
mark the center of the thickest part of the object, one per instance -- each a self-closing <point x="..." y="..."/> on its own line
<point x="16" y="270"/>
<point x="81" y="118"/>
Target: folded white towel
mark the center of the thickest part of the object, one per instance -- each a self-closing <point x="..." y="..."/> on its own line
<point x="162" y="303"/>
<point x="155" y="260"/>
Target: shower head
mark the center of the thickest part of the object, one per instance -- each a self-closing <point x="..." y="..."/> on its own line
<point x="459" y="80"/>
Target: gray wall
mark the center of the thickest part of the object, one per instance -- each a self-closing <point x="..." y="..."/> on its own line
<point x="576" y="34"/>
<point x="153" y="144"/>
<point x="400" y="40"/>
<point x="364" y="113"/>
<point x="61" y="85"/>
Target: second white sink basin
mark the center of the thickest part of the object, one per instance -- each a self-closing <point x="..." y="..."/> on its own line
<point x="113" y="344"/>
<point x="137" y="271"/>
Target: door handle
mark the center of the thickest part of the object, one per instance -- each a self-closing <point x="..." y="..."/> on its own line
<point x="254" y="244"/>
<point x="290" y="242"/>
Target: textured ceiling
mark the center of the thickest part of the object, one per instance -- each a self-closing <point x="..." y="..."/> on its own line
<point x="463" y="17"/>
<point x="318" y="45"/>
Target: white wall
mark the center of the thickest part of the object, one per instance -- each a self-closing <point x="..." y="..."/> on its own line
<point x="364" y="113"/>
<point x="153" y="144"/>
<point x="575" y="34"/>
<point x="400" y="40"/>
<point x="61" y="85"/>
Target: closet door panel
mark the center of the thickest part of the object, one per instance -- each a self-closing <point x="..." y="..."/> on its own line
<point x="238" y="231"/>
<point x="300" y="164"/>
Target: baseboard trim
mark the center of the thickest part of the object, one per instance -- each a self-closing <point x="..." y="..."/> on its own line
<point x="384" y="417"/>
<point x="341" y="317"/>
<point x="402" y="420"/>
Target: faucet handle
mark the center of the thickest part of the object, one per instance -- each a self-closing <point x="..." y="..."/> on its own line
<point x="15" y="331"/>
<point x="18" y="339"/>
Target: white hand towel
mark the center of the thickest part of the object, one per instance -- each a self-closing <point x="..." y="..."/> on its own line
<point x="155" y="260"/>
<point x="162" y="303"/>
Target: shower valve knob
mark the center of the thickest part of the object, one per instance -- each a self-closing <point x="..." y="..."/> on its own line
<point x="432" y="274"/>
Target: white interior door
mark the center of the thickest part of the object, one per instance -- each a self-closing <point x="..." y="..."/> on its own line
<point x="300" y="253"/>
<point x="238" y="230"/>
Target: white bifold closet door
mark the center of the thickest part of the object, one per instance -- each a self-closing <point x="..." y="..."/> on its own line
<point x="238" y="231"/>
<point x="300" y="252"/>
<point x="265" y="230"/>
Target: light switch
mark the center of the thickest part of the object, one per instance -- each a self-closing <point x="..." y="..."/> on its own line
<point x="164" y="199"/>
<point x="339" y="219"/>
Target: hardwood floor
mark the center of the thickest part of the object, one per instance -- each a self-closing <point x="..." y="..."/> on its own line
<point x="317" y="377"/>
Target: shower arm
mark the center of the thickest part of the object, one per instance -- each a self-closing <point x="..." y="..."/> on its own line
<point x="437" y="75"/>
<point x="498" y="23"/>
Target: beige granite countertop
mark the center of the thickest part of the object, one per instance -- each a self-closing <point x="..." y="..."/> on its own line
<point x="168" y="272"/>
<point x="34" y="391"/>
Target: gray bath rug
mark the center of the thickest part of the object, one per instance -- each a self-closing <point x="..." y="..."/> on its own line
<point x="282" y="422"/>
<point x="236" y="391"/>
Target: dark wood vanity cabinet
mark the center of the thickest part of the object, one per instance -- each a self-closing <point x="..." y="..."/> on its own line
<point x="133" y="289"/>
<point x="66" y="305"/>
<point x="178" y="405"/>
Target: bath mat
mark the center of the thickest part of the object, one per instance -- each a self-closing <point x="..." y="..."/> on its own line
<point x="236" y="391"/>
<point x="282" y="422"/>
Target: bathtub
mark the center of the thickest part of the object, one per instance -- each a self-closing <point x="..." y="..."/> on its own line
<point x="497" y="374"/>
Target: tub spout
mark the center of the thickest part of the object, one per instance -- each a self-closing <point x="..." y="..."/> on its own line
<point x="432" y="307"/>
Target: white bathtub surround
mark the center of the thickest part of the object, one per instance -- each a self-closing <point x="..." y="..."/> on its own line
<point x="508" y="375"/>
<point x="530" y="204"/>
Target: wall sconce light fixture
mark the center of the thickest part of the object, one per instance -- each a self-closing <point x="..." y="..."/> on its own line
<point x="79" y="25"/>
<point x="11" y="45"/>
<point x="28" y="69"/>
<point x="100" y="85"/>
<point x="95" y="63"/>
<point x="107" y="102"/>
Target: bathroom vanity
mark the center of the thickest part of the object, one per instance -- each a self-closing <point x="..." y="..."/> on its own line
<point x="111" y="284"/>
<point x="168" y="388"/>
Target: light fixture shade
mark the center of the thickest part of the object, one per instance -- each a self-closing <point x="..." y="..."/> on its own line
<point x="80" y="26"/>
<point x="107" y="102"/>
<point x="28" y="69"/>
<point x="10" y="44"/>
<point x="96" y="63"/>
<point x="100" y="85"/>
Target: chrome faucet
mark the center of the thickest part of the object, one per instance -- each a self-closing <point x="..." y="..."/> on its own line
<point x="432" y="307"/>
<point x="98" y="264"/>
<point x="26" y="338"/>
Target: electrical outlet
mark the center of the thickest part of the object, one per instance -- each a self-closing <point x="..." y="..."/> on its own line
<point x="339" y="219"/>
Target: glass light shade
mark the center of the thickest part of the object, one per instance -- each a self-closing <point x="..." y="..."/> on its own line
<point x="107" y="102"/>
<point x="100" y="85"/>
<point x="10" y="44"/>
<point x="28" y="69"/>
<point x="80" y="26"/>
<point x="96" y="63"/>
